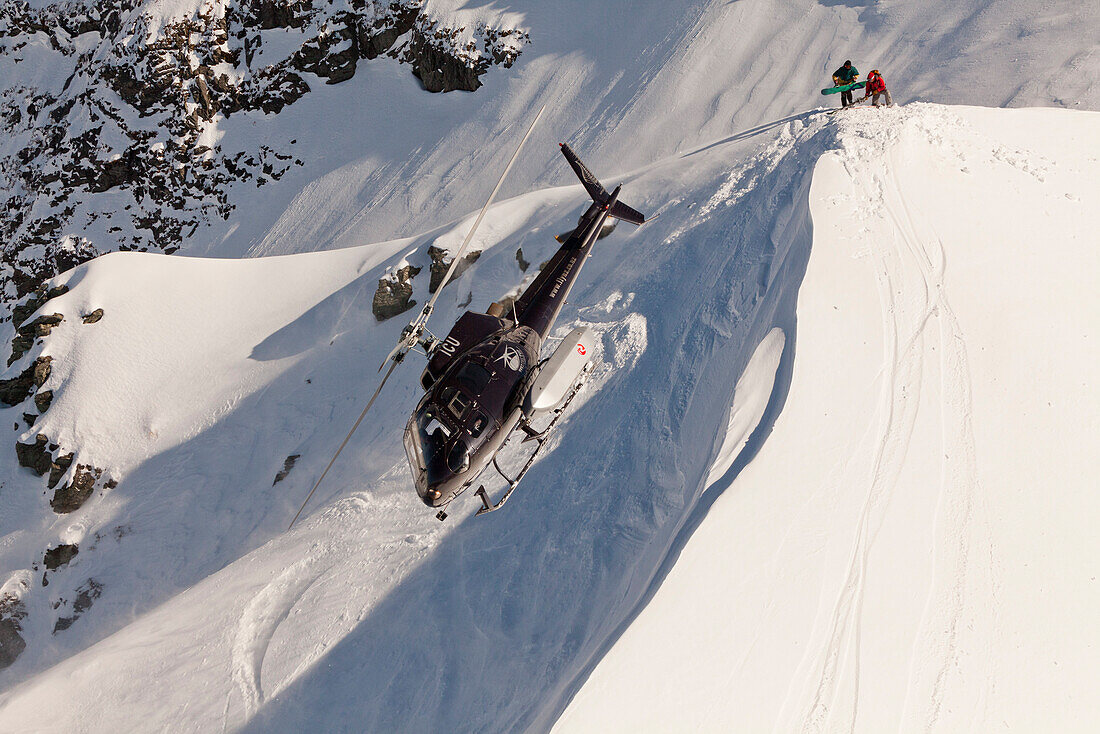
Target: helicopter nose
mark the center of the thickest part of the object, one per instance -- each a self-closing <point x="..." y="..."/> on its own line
<point x="440" y="493"/>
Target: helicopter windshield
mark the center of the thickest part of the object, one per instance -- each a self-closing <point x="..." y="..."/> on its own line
<point x="434" y="452"/>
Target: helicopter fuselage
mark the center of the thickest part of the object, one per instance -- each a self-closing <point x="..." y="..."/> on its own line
<point x="477" y="378"/>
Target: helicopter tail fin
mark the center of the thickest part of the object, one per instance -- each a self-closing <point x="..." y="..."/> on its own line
<point x="595" y="189"/>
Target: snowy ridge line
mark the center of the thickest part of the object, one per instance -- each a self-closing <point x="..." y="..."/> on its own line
<point x="255" y="421"/>
<point x="933" y="365"/>
<point x="778" y="172"/>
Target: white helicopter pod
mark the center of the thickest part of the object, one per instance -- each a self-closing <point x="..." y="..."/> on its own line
<point x="560" y="373"/>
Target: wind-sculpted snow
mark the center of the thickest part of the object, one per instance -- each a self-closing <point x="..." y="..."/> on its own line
<point x="272" y="127"/>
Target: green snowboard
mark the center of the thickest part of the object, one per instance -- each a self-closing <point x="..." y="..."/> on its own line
<point x="843" y="88"/>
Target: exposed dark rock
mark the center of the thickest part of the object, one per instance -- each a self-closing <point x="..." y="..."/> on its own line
<point x="439" y="71"/>
<point x="12" y="644"/>
<point x="74" y="494"/>
<point x="57" y="290"/>
<point x="127" y="125"/>
<point x="523" y="264"/>
<point x="92" y="317"/>
<point x="35" y="300"/>
<point x="440" y="264"/>
<point x="43" y="400"/>
<point x="35" y="456"/>
<point x="29" y="419"/>
<point x="43" y="325"/>
<point x="20" y="345"/>
<point x="41" y="370"/>
<point x="19" y="388"/>
<point x="27" y="333"/>
<point x="288" y="464"/>
<point x="85" y="597"/>
<point x="394" y="294"/>
<point x="57" y="557"/>
<point x="58" y="468"/>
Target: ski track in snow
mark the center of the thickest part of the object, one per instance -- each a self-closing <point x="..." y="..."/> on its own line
<point x="259" y="622"/>
<point x="961" y="501"/>
<point x="907" y="267"/>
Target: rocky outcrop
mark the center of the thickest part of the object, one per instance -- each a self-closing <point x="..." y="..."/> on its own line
<point x="73" y="495"/>
<point x="43" y="457"/>
<point x="43" y="400"/>
<point x="441" y="262"/>
<point x="121" y="149"/>
<point x="12" y="644"/>
<point x="35" y="300"/>
<point x="93" y="317"/>
<point x="28" y="332"/>
<point x="395" y="290"/>
<point x="17" y="389"/>
<point x="288" y="464"/>
<point x="40" y="455"/>
<point x="394" y="293"/>
<point x="35" y="456"/>
<point x="86" y="595"/>
<point x="60" y="556"/>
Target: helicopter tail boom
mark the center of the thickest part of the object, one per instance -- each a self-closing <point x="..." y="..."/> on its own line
<point x="599" y="194"/>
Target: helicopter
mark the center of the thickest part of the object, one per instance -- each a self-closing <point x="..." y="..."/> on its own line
<point x="485" y="380"/>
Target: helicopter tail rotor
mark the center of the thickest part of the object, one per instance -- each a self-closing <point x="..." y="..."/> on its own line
<point x="599" y="194"/>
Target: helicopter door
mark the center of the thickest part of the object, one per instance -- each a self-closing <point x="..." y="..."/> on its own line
<point x="560" y="372"/>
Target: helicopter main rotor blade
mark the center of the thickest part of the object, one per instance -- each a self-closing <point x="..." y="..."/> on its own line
<point x="411" y="334"/>
<point x="481" y="214"/>
<point x="345" y="443"/>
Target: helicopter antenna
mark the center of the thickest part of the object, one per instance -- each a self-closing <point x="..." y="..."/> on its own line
<point x="412" y="333"/>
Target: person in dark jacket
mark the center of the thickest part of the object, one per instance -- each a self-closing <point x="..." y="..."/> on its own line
<point x="845" y="75"/>
<point x="876" y="86"/>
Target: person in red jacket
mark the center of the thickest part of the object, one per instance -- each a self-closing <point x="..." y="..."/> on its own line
<point x="876" y="87"/>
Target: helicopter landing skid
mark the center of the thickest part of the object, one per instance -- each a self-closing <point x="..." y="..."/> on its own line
<point x="532" y="435"/>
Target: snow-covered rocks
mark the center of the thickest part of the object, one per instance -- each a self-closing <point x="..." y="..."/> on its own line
<point x="112" y="113"/>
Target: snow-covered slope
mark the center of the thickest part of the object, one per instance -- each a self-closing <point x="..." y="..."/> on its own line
<point x="889" y="524"/>
<point x="172" y="413"/>
<point x="912" y="549"/>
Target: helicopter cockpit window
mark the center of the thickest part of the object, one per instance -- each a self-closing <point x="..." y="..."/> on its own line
<point x="458" y="404"/>
<point x="427" y="442"/>
<point x="432" y="425"/>
<point x="473" y="377"/>
<point x="477" y="424"/>
<point x="458" y="458"/>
